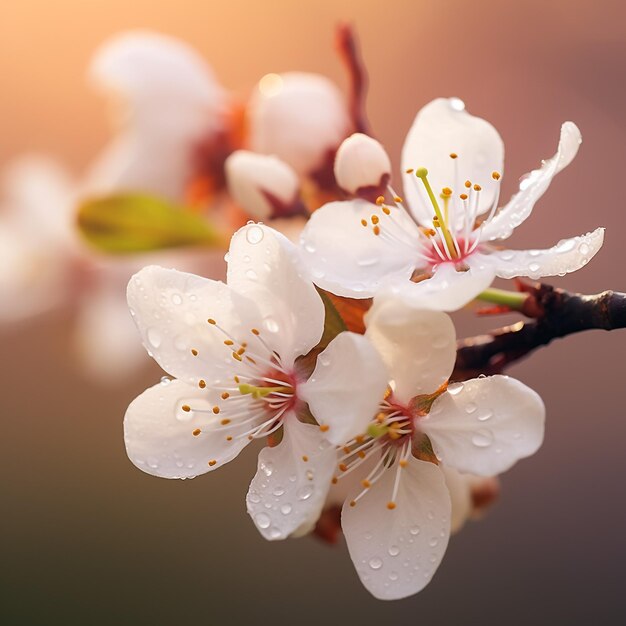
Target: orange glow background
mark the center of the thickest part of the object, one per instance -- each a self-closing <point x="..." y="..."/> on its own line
<point x="88" y="539"/>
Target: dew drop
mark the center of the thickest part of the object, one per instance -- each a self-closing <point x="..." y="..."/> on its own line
<point x="271" y="325"/>
<point x="254" y="498"/>
<point x="534" y="267"/>
<point x="177" y="299"/>
<point x="274" y="533"/>
<point x="376" y="563"/>
<point x="254" y="235"/>
<point x="165" y="380"/>
<point x="278" y="491"/>
<point x="482" y="438"/>
<point x="455" y="388"/>
<point x="414" y="530"/>
<point x="394" y="550"/>
<point x="309" y="247"/>
<point x="285" y="509"/>
<point x="484" y="415"/>
<point x="393" y="576"/>
<point x="304" y="493"/>
<point x="263" y="520"/>
<point x="583" y="248"/>
<point x="251" y="274"/>
<point x="507" y="255"/>
<point x="470" y="407"/>
<point x="154" y="337"/>
<point x="267" y="468"/>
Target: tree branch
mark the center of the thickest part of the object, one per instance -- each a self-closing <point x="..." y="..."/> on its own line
<point x="557" y="313"/>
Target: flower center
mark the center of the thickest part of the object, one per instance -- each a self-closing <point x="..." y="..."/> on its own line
<point x="255" y="397"/>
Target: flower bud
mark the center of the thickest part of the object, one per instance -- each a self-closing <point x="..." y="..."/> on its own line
<point x="362" y="164"/>
<point x="298" y="117"/>
<point x="264" y="186"/>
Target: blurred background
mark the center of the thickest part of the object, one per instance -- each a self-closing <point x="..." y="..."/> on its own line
<point x="89" y="539"/>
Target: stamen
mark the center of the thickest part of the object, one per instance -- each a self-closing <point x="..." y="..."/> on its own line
<point x="422" y="173"/>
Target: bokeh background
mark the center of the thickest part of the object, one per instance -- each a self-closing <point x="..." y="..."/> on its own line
<point x="88" y="539"/>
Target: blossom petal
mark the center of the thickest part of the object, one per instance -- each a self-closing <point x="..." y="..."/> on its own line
<point x="397" y="551"/>
<point x="346" y="387"/>
<point x="448" y="289"/>
<point x="361" y="162"/>
<point x="265" y="266"/>
<point x="172" y="310"/>
<point x="159" y="434"/>
<point x="349" y="260"/>
<point x="485" y="425"/>
<point x="292" y="481"/>
<point x="441" y="128"/>
<point x="297" y="117"/>
<point x="417" y="346"/>
<point x="567" y="256"/>
<point x="533" y="186"/>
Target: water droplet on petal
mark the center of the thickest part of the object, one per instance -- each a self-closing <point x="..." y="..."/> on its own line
<point x="304" y="493"/>
<point x="393" y="576"/>
<point x="267" y="468"/>
<point x="254" y="234"/>
<point x="251" y="274"/>
<point x="414" y="530"/>
<point x="177" y="299"/>
<point x="484" y="414"/>
<point x="455" y="388"/>
<point x="278" y="491"/>
<point x="254" y="498"/>
<point x="394" y="550"/>
<point x="263" y="520"/>
<point x="154" y="337"/>
<point x="470" y="407"/>
<point x="271" y="325"/>
<point x="285" y="509"/>
<point x="534" y="267"/>
<point x="376" y="563"/>
<point x="482" y="438"/>
<point x="583" y="248"/>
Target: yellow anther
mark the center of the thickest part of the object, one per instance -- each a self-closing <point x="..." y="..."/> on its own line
<point x="364" y="222"/>
<point x="359" y="438"/>
<point x="335" y="480"/>
<point x="324" y="427"/>
<point x="343" y="467"/>
<point x="224" y="422"/>
<point x="386" y="210"/>
<point x="375" y="219"/>
<point x="236" y="379"/>
<point x="212" y="463"/>
<point x="254" y="331"/>
<point x="229" y="438"/>
<point x="463" y="196"/>
<point x="453" y="155"/>
<point x="236" y="357"/>
<point x="361" y="454"/>
<point x="477" y="187"/>
<point x="468" y="183"/>
<point x="186" y="408"/>
<point x="391" y="505"/>
<point x="380" y="200"/>
<point x="305" y="458"/>
<point x="241" y="351"/>
<point x="409" y="171"/>
<point x="211" y="321"/>
<point x="446" y="191"/>
<point x="225" y="395"/>
<point x="376" y="230"/>
<point x="403" y="463"/>
<point x="228" y="342"/>
<point x="496" y="175"/>
<point x="366" y="484"/>
<point x="352" y="502"/>
<point x="202" y="384"/>
<point x="398" y="199"/>
<point x="194" y="352"/>
<point x="196" y="432"/>
<point x="216" y="409"/>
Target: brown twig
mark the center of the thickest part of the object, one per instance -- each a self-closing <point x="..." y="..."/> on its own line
<point x="557" y="313"/>
<point x="348" y="49"/>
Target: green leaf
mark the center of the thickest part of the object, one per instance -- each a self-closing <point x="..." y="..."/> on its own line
<point x="133" y="222"/>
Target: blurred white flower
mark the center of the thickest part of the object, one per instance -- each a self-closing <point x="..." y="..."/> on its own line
<point x="356" y="248"/>
<point x="169" y="103"/>
<point x="234" y="352"/>
<point x="300" y="118"/>
<point x="398" y="520"/>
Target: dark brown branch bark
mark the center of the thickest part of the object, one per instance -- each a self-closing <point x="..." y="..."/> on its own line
<point x="557" y="313"/>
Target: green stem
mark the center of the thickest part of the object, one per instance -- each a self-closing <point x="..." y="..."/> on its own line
<point x="513" y="299"/>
